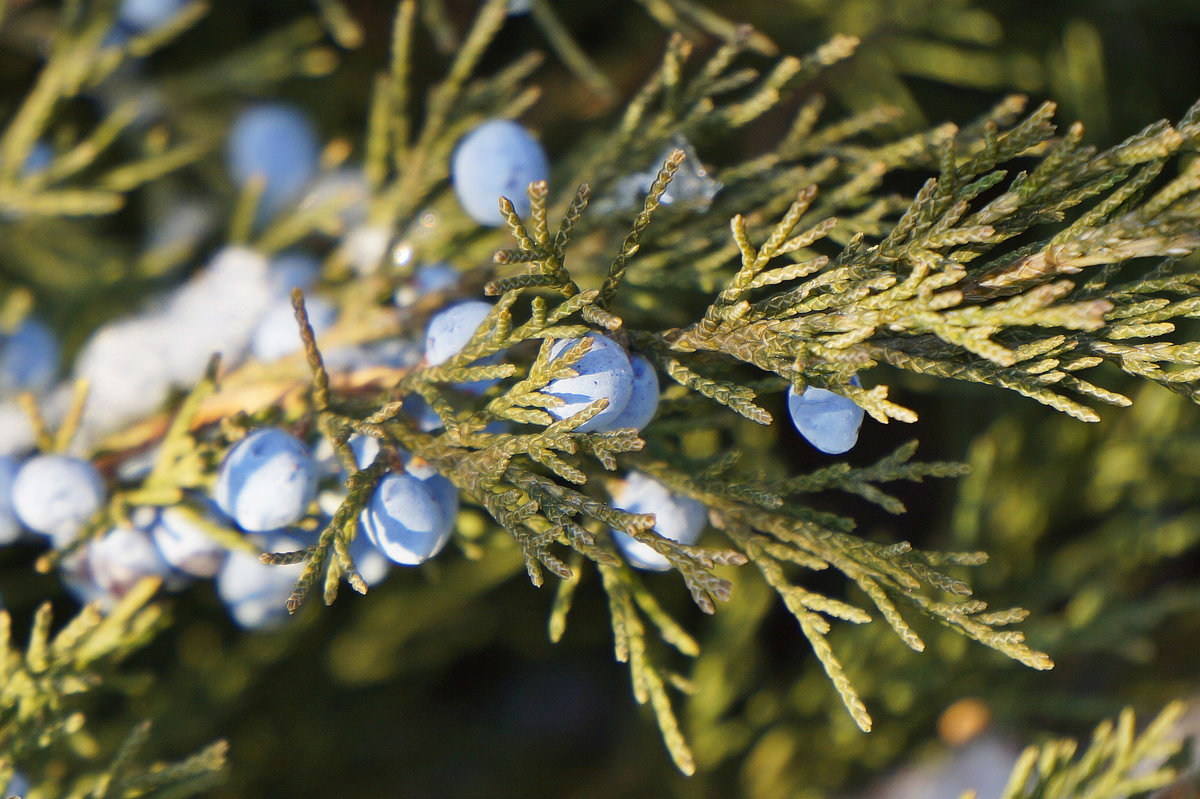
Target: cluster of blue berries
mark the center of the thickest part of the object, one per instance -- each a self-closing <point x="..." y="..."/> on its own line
<point x="605" y="371"/>
<point x="628" y="382"/>
<point x="265" y="488"/>
<point x="269" y="485"/>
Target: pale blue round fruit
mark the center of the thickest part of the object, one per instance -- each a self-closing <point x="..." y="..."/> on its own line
<point x="290" y="270"/>
<point x="422" y="413"/>
<point x="17" y="786"/>
<point x="277" y="334"/>
<point x="497" y="159"/>
<point x="75" y="571"/>
<point x="145" y="15"/>
<point x="10" y="527"/>
<point x="373" y="566"/>
<point x="123" y="556"/>
<point x="185" y="544"/>
<point x="677" y="517"/>
<point x="28" y="358"/>
<point x="444" y="492"/>
<point x="279" y="143"/>
<point x="41" y="155"/>
<point x="266" y="481"/>
<point x="829" y="421"/>
<point x="643" y="396"/>
<point x="55" y="495"/>
<point x="603" y="373"/>
<point x="254" y="593"/>
<point x="449" y="330"/>
<point x="404" y="520"/>
<point x="365" y="449"/>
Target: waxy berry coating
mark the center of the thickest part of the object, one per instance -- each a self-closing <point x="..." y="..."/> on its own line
<point x="266" y="481"/>
<point x="254" y="593"/>
<point x="122" y="557"/>
<point x="603" y="373"/>
<point x="405" y="520"/>
<point x="55" y="495"/>
<point x="677" y="517"/>
<point x="185" y="545"/>
<point x="497" y="159"/>
<point x="643" y="396"/>
<point x="277" y="142"/>
<point x="449" y="330"/>
<point x="830" y="422"/>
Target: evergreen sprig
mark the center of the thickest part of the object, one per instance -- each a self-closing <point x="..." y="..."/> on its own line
<point x="1118" y="761"/>
<point x="40" y="691"/>
<point x="822" y="274"/>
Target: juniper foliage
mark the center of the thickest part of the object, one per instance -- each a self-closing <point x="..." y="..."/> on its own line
<point x="42" y="687"/>
<point x="1026" y="261"/>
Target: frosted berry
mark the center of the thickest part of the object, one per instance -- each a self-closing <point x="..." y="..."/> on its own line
<point x="55" y="495"/>
<point x="144" y="15"/>
<point x="185" y="545"/>
<point x="17" y="786"/>
<point x="603" y="373"/>
<point x="122" y="557"/>
<point x="41" y="155"/>
<point x="444" y="492"/>
<point x="216" y="311"/>
<point x="677" y="517"/>
<point x="28" y="358"/>
<point x="405" y="520"/>
<point x="10" y="528"/>
<point x="266" y="481"/>
<point x="277" y="334"/>
<point x="498" y="158"/>
<point x="450" y="330"/>
<point x="422" y="412"/>
<point x="373" y="566"/>
<point x="254" y="593"/>
<point x="829" y="421"/>
<point x="643" y="396"/>
<point x="277" y="142"/>
<point x="290" y="270"/>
